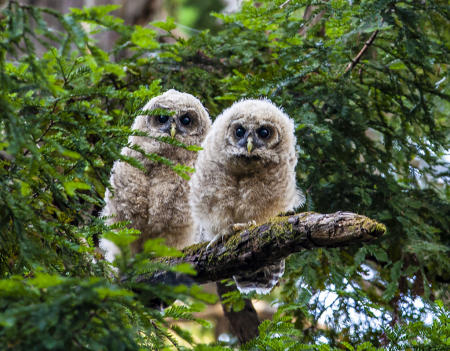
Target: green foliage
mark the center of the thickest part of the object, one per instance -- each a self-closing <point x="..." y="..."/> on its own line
<point x="371" y="139"/>
<point x="418" y="335"/>
<point x="66" y="111"/>
<point x="54" y="312"/>
<point x="194" y="15"/>
<point x="281" y="334"/>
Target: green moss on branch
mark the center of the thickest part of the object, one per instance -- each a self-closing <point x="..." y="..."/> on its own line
<point x="276" y="239"/>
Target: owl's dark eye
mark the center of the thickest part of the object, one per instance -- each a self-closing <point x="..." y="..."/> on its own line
<point x="185" y="120"/>
<point x="162" y="119"/>
<point x="240" y="132"/>
<point x="263" y="132"/>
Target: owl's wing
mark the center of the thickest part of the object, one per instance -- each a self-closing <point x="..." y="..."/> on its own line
<point x="262" y="281"/>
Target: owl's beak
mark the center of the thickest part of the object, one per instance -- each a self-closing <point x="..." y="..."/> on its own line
<point x="249" y="144"/>
<point x="173" y="130"/>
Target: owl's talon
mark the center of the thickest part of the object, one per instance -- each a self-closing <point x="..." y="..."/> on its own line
<point x="214" y="241"/>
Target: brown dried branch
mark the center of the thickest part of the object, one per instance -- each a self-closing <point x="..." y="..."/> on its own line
<point x="243" y="323"/>
<point x="356" y="59"/>
<point x="312" y="22"/>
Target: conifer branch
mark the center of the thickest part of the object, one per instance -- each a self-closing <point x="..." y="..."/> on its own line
<point x="268" y="243"/>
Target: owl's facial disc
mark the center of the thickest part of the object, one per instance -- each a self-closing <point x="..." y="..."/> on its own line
<point x="160" y="119"/>
<point x="252" y="141"/>
<point x="164" y="124"/>
<point x="171" y="121"/>
<point x="187" y="122"/>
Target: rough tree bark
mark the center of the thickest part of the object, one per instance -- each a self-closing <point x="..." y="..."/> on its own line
<point x="259" y="246"/>
<point x="262" y="245"/>
<point x="244" y="323"/>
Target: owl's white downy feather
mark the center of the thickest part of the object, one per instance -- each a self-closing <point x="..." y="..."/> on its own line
<point x="156" y="201"/>
<point x="246" y="172"/>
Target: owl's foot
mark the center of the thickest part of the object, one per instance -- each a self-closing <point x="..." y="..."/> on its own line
<point x="237" y="227"/>
<point x="234" y="228"/>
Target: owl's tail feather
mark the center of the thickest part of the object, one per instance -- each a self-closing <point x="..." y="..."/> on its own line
<point x="261" y="281"/>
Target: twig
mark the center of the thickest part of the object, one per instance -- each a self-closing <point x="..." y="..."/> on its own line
<point x="284" y="4"/>
<point x="356" y="59"/>
<point x="307" y="17"/>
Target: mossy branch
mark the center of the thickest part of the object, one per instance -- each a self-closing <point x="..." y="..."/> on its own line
<point x="259" y="246"/>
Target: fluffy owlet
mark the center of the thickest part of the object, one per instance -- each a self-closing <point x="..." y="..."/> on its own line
<point x="156" y="201"/>
<point x="246" y="174"/>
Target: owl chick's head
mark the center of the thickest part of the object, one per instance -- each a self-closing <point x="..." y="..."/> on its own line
<point x="254" y="133"/>
<point x="179" y="115"/>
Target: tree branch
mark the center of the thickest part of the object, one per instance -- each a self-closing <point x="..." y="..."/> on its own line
<point x="268" y="243"/>
<point x="356" y="59"/>
<point x="244" y="323"/>
<point x="312" y="22"/>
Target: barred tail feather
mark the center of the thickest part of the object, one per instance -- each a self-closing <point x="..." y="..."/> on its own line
<point x="262" y="281"/>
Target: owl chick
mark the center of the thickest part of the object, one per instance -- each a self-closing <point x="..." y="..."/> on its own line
<point x="156" y="201"/>
<point x="245" y="174"/>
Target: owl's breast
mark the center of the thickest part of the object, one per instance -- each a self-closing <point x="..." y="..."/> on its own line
<point x="167" y="197"/>
<point x="261" y="196"/>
